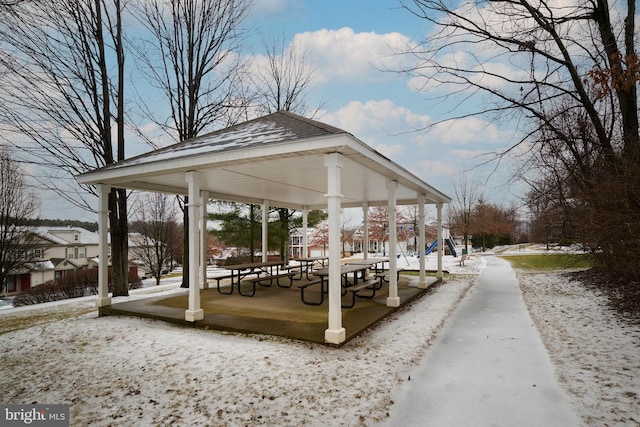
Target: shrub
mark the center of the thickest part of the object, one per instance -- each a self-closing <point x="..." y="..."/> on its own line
<point x="134" y="280"/>
<point x="72" y="285"/>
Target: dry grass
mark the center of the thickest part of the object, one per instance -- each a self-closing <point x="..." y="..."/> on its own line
<point x="39" y="316"/>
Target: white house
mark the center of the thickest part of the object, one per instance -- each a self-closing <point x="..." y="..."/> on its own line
<point x="60" y="250"/>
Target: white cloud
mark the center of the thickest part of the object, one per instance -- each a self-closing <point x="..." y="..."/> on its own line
<point x="346" y="55"/>
<point x="400" y="134"/>
<point x="438" y="167"/>
<point x="376" y="117"/>
<point x="469" y="130"/>
<point x="390" y="150"/>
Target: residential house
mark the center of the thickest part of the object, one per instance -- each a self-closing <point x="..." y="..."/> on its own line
<point x="59" y="250"/>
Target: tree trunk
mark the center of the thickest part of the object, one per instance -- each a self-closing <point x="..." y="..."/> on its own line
<point x="185" y="247"/>
<point x="119" y="232"/>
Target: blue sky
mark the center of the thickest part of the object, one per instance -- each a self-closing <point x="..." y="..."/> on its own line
<point x="346" y="39"/>
<point x="350" y="41"/>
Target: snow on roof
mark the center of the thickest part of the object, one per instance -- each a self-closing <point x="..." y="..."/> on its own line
<point x="279" y="127"/>
<point x="64" y="235"/>
<point x="42" y="265"/>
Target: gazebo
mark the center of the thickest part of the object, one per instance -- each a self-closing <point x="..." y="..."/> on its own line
<point x="281" y="160"/>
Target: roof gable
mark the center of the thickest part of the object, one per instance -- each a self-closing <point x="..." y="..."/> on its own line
<point x="278" y="158"/>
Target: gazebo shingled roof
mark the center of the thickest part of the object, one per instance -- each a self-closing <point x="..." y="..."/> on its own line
<point x="278" y="157"/>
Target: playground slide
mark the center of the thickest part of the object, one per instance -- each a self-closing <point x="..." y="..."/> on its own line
<point x="431" y="247"/>
<point x="434" y="245"/>
<point x="451" y="248"/>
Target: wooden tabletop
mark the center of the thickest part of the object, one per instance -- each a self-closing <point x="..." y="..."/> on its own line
<point x="311" y="258"/>
<point x="344" y="269"/>
<point x="253" y="265"/>
<point x="368" y="261"/>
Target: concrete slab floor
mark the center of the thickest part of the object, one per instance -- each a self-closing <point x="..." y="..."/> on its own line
<point x="272" y="311"/>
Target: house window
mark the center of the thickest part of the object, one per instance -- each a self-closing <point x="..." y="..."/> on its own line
<point x="37" y="253"/>
<point x="76" y="237"/>
<point x="11" y="284"/>
<point x="109" y="250"/>
<point x="81" y="253"/>
<point x="71" y="253"/>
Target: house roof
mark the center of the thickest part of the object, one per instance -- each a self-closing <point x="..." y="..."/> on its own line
<point x="278" y="157"/>
<point x="65" y="235"/>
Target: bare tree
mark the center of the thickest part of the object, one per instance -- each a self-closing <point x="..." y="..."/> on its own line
<point x="465" y="198"/>
<point x="409" y="228"/>
<point x="64" y="72"/>
<point x="17" y="204"/>
<point x="320" y="236"/>
<point x="158" y="229"/>
<point x="379" y="226"/>
<point x="568" y="74"/>
<point x="348" y="230"/>
<point x="192" y="58"/>
<point x="560" y="59"/>
<point x="281" y="81"/>
<point x="283" y="78"/>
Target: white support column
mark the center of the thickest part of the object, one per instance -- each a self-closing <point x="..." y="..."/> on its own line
<point x="393" y="300"/>
<point x="204" y="196"/>
<point x="422" y="282"/>
<point x="440" y="241"/>
<point x="335" y="333"/>
<point x="265" y="229"/>
<point x="103" y="299"/>
<point x="305" y="224"/>
<point x="365" y="230"/>
<point x="194" y="312"/>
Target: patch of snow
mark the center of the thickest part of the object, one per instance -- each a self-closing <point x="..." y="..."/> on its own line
<point x="596" y="355"/>
<point x="129" y="371"/>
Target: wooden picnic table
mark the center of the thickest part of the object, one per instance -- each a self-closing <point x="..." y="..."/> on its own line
<point x="306" y="264"/>
<point x="348" y="286"/>
<point x="371" y="262"/>
<point x="358" y="271"/>
<point x="240" y="271"/>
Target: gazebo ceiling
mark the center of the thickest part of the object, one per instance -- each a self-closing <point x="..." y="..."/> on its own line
<point x="278" y="157"/>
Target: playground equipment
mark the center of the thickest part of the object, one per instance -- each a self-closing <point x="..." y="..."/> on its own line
<point x="431" y="247"/>
<point x="451" y="247"/>
<point x="434" y="245"/>
<point x="406" y="233"/>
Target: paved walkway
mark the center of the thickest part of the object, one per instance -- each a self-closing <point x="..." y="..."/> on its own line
<point x="488" y="366"/>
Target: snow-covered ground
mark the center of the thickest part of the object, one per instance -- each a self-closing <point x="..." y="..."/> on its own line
<point x="128" y="371"/>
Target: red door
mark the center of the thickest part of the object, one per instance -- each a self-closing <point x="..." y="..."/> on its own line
<point x="25" y="281"/>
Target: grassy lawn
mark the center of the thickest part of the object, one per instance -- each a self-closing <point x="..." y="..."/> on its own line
<point x="39" y="316"/>
<point x="549" y="261"/>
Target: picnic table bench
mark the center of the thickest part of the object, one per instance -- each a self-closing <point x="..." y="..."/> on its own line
<point x="384" y="275"/>
<point x="370" y="284"/>
<point x="239" y="271"/>
<point x="349" y="287"/>
<point x="267" y="281"/>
